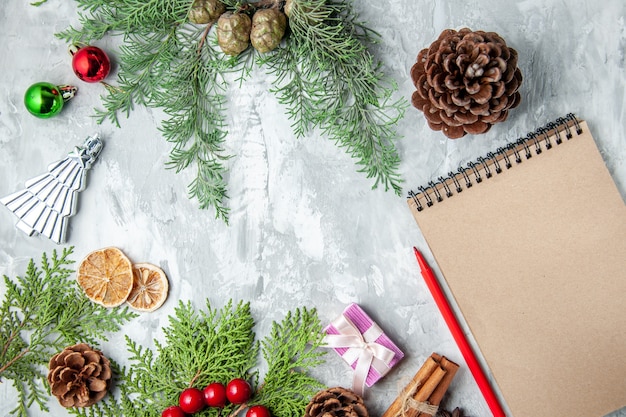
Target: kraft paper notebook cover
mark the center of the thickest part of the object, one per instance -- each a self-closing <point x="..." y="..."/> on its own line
<point x="535" y="259"/>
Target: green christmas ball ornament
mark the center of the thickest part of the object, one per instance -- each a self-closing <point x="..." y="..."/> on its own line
<point x="45" y="100"/>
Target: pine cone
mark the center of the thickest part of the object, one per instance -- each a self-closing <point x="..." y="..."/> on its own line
<point x="466" y="82"/>
<point x="287" y="7"/>
<point x="336" y="402"/>
<point x="233" y="32"/>
<point x="79" y="376"/>
<point x="268" y="29"/>
<point x="205" y="11"/>
<point x="457" y="412"/>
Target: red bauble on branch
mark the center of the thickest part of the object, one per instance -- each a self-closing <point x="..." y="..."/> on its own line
<point x="91" y="64"/>
<point x="191" y="400"/>
<point x="238" y="391"/>
<point x="215" y="395"/>
<point x="258" y="411"/>
<point x="173" y="411"/>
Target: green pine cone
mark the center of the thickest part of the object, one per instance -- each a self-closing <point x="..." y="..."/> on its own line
<point x="268" y="29"/>
<point x="205" y="11"/>
<point x="311" y="17"/>
<point x="233" y="32"/>
<point x="287" y="7"/>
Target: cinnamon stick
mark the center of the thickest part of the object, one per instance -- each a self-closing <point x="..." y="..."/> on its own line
<point x="437" y="395"/>
<point x="429" y="385"/>
<point x="424" y="393"/>
<point x="443" y="386"/>
<point x="418" y="380"/>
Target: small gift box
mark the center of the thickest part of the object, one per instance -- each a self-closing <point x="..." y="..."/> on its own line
<point x="363" y="345"/>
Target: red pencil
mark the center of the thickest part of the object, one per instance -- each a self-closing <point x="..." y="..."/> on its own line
<point x="459" y="336"/>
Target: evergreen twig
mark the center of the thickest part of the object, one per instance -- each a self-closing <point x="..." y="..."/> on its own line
<point x="212" y="345"/>
<point x="324" y="75"/>
<point x="290" y="349"/>
<point x="41" y="313"/>
<point x="327" y="78"/>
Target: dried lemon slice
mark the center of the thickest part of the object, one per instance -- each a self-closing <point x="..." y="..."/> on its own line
<point x="150" y="287"/>
<point x="106" y="276"/>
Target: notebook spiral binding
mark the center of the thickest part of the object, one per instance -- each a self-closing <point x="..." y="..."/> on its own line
<point x="485" y="167"/>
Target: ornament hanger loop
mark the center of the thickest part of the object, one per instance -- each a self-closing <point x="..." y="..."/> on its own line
<point x="90" y="150"/>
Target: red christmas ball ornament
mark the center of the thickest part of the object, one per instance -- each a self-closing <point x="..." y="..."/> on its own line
<point x="91" y="64"/>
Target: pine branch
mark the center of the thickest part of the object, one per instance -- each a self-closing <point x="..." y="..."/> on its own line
<point x="327" y="62"/>
<point x="200" y="347"/>
<point x="291" y="350"/>
<point x="170" y="66"/>
<point x="126" y="16"/>
<point x="193" y="91"/>
<point x="227" y="335"/>
<point x="324" y="75"/>
<point x="298" y="87"/>
<point x="144" y="63"/>
<point x="41" y="313"/>
<point x="210" y="345"/>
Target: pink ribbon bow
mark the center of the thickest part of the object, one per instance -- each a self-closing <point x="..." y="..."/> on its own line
<point x="362" y="348"/>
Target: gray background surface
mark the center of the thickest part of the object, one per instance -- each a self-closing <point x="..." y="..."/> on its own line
<point x="305" y="228"/>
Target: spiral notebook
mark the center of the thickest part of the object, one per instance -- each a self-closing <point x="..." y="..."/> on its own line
<point x="531" y="241"/>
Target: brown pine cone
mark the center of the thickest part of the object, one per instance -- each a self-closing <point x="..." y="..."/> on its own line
<point x="79" y="376"/>
<point x="336" y="402"/>
<point x="457" y="412"/>
<point x="466" y="82"/>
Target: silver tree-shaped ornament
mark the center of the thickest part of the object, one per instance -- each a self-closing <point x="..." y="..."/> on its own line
<point x="47" y="201"/>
